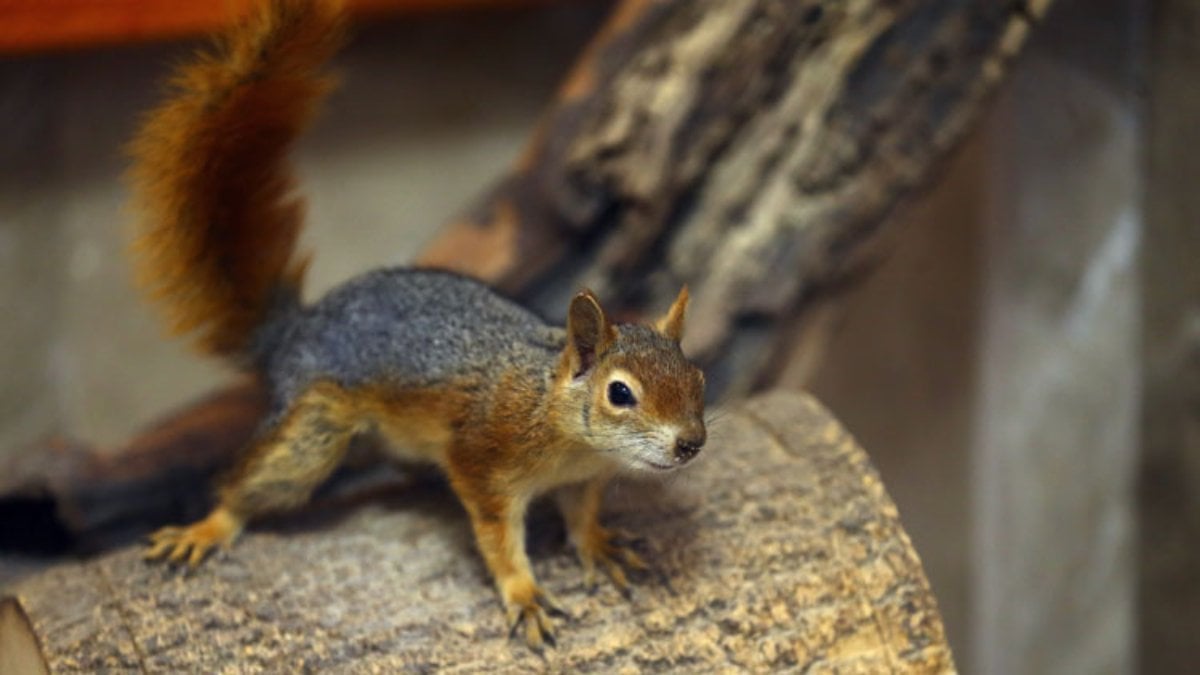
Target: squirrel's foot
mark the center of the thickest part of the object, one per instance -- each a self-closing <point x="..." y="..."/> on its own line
<point x="608" y="548"/>
<point x="193" y="542"/>
<point x="533" y="611"/>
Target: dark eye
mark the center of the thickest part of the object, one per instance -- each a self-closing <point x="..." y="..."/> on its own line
<point x="620" y="395"/>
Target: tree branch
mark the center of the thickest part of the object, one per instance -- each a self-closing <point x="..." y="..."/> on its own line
<point x="749" y="149"/>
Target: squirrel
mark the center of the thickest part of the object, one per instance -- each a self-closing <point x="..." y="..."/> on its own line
<point x="441" y="367"/>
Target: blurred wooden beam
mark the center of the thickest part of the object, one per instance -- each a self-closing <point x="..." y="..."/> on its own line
<point x="42" y="25"/>
<point x="67" y="493"/>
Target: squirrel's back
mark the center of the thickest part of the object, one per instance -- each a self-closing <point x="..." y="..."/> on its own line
<point x="408" y="328"/>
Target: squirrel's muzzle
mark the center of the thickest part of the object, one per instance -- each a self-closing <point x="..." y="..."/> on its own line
<point x="688" y="444"/>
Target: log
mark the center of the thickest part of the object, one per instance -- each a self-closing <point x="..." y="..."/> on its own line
<point x="780" y="550"/>
<point x="750" y="149"/>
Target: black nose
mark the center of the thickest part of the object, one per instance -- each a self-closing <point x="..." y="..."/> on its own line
<point x="687" y="448"/>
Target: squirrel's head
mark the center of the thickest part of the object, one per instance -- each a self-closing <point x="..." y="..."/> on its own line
<point x="634" y="393"/>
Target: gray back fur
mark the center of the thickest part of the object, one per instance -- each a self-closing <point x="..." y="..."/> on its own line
<point x="406" y="327"/>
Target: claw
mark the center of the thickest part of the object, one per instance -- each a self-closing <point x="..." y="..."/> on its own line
<point x="548" y="636"/>
<point x="158" y="549"/>
<point x="617" y="574"/>
<point x="632" y="559"/>
<point x="589" y="573"/>
<point x="181" y="550"/>
<point x="602" y="546"/>
<point x="539" y="629"/>
<point x="193" y="543"/>
<point x="551" y="604"/>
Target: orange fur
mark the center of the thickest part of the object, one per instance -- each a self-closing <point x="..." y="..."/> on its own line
<point x="218" y="223"/>
<point x="671" y="323"/>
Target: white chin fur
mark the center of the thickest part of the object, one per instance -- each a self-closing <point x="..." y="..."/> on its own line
<point x="643" y="464"/>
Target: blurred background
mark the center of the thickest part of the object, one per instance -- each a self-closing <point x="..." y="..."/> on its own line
<point x="1023" y="362"/>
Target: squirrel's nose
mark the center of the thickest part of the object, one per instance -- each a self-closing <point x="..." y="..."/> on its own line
<point x="687" y="447"/>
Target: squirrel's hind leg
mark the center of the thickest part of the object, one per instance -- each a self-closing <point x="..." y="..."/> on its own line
<point x="278" y="472"/>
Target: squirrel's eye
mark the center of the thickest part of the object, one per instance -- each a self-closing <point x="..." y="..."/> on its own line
<point x="620" y="395"/>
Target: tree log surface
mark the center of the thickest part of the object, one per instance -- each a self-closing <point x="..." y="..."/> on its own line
<point x="780" y="550"/>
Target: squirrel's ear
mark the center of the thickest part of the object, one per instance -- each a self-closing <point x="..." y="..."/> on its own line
<point x="671" y="324"/>
<point x="589" y="333"/>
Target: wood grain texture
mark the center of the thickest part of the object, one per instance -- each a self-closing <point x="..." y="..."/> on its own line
<point x="750" y="149"/>
<point x="780" y="550"/>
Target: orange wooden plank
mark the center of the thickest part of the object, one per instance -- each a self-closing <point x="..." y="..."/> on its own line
<point x="42" y="25"/>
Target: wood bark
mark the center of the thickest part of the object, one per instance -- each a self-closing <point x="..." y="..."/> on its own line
<point x="749" y="149"/>
<point x="779" y="551"/>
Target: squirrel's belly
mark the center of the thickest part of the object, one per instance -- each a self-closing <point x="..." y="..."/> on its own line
<point x="412" y="439"/>
<point x="416" y="423"/>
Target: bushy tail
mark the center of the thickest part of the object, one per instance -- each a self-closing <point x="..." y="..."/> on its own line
<point x="218" y="223"/>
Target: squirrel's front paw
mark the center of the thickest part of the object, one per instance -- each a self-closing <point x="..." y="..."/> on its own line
<point x="193" y="543"/>
<point x="609" y="549"/>
<point x="532" y="609"/>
